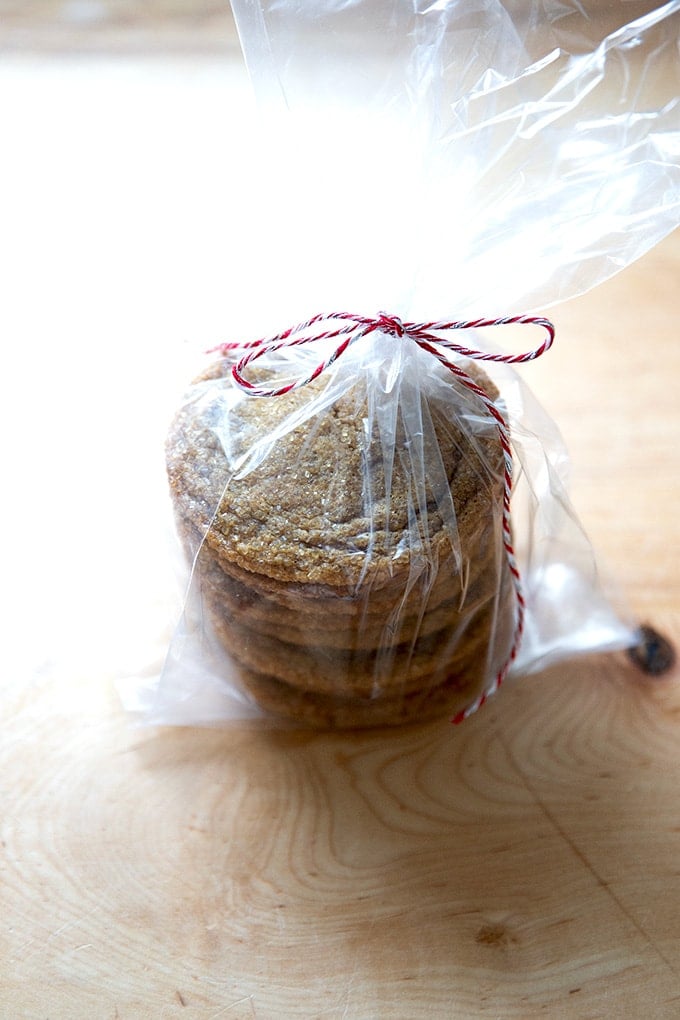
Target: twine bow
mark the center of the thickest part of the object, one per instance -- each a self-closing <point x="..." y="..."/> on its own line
<point x="428" y="336"/>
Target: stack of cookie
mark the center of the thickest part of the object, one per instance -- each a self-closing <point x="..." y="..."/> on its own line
<point x="352" y="581"/>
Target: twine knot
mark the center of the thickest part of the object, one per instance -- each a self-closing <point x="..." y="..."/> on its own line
<point x="390" y="324"/>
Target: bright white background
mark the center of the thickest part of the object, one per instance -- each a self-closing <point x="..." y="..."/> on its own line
<point x="119" y="204"/>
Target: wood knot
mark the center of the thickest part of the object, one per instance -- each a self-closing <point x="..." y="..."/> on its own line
<point x="494" y="935"/>
<point x="653" y="653"/>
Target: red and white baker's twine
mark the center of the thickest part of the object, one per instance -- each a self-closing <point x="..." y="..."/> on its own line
<point x="426" y="335"/>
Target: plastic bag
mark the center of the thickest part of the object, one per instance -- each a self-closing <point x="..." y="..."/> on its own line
<point x="355" y="557"/>
<point x="449" y="158"/>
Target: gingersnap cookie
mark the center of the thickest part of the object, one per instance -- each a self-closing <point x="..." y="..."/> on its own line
<point x="320" y="711"/>
<point x="388" y="668"/>
<point x="400" y="620"/>
<point x="321" y="506"/>
<point x="357" y="582"/>
<point x="358" y="621"/>
<point x="453" y="578"/>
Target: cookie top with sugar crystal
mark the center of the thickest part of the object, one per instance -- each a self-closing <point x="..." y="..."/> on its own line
<point x="339" y="498"/>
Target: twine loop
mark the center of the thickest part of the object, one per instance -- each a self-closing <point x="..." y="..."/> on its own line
<point x="435" y="338"/>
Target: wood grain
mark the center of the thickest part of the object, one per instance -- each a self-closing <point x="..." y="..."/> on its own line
<point x="522" y="865"/>
<point x="609" y="384"/>
<point x="117" y="26"/>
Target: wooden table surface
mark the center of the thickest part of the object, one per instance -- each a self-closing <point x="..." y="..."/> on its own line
<point x="524" y="864"/>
